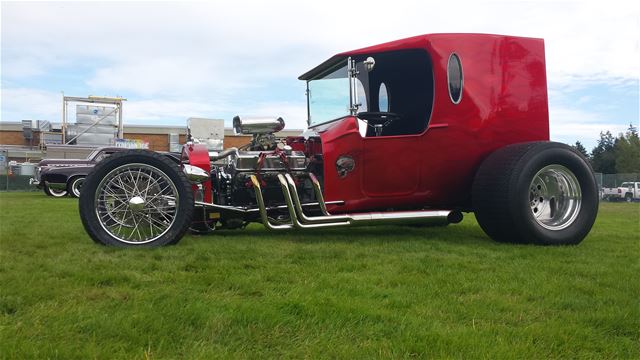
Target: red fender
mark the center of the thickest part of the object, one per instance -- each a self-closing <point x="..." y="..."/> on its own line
<point x="198" y="155"/>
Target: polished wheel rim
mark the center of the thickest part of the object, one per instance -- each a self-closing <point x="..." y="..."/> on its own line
<point x="136" y="203"/>
<point x="77" y="185"/>
<point x="555" y="197"/>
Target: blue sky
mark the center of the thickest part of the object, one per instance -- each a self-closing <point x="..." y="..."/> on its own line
<point x="177" y="60"/>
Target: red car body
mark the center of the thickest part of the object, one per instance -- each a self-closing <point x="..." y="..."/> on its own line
<point x="415" y="131"/>
<point x="505" y="102"/>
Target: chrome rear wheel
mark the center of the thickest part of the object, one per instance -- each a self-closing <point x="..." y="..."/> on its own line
<point x="537" y="192"/>
<point x="555" y="197"/>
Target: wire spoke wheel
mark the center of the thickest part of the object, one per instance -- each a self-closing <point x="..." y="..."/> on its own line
<point x="136" y="203"/>
<point x="555" y="197"/>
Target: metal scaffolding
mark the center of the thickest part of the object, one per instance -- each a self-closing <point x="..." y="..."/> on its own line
<point x="103" y="100"/>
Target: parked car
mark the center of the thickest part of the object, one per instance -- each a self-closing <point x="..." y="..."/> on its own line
<point x="415" y="131"/>
<point x="61" y="177"/>
<point x="627" y="191"/>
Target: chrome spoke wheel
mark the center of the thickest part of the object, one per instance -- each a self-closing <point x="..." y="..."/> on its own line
<point x="136" y="203"/>
<point x="555" y="197"/>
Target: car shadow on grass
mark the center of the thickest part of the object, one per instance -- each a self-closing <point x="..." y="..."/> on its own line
<point x="373" y="234"/>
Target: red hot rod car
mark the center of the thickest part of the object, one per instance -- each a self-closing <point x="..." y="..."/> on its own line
<point x="416" y="131"/>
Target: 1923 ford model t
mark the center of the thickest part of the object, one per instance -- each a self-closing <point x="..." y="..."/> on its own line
<point x="414" y="131"/>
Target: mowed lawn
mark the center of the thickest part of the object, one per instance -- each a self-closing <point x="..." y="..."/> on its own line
<point x="375" y="292"/>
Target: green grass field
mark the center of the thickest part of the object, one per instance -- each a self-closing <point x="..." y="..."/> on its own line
<point x="378" y="292"/>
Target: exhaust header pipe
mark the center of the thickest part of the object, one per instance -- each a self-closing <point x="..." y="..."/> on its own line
<point x="301" y="221"/>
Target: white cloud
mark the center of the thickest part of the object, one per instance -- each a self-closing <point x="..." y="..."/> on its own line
<point x="570" y="124"/>
<point x="31" y="104"/>
<point x="166" y="76"/>
<point x="176" y="60"/>
<point x="582" y="39"/>
<point x="294" y="115"/>
<point x="154" y="110"/>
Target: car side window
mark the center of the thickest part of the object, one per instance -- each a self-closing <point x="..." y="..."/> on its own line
<point x="455" y="78"/>
<point x="383" y="98"/>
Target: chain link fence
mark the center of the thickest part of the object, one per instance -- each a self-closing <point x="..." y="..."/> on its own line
<point x="618" y="187"/>
<point x="615" y="180"/>
<point x="12" y="181"/>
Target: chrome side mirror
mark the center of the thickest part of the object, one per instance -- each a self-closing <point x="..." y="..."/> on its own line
<point x="370" y="63"/>
<point x="195" y="174"/>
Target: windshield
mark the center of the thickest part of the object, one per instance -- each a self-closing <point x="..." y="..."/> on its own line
<point x="399" y="83"/>
<point x="93" y="154"/>
<point x="329" y="95"/>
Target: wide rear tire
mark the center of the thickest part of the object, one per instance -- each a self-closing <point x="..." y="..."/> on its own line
<point x="136" y="198"/>
<point x="540" y="192"/>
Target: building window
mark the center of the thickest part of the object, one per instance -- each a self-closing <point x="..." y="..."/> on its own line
<point x="455" y="78"/>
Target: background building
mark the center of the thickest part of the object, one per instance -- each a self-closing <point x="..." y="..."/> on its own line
<point x="25" y="147"/>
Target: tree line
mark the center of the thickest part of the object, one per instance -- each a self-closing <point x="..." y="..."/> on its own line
<point x="612" y="155"/>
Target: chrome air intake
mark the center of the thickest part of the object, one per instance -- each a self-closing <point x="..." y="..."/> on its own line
<point x="255" y="126"/>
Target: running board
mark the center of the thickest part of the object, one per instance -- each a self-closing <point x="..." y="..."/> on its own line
<point x="301" y="221"/>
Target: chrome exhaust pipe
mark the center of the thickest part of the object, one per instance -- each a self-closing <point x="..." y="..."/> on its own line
<point x="422" y="217"/>
<point x="319" y="197"/>
<point x="301" y="221"/>
<point x="288" y="180"/>
<point x="263" y="210"/>
<point x="435" y="217"/>
<point x="295" y="216"/>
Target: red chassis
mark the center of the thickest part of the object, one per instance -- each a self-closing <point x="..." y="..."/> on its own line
<point x="434" y="125"/>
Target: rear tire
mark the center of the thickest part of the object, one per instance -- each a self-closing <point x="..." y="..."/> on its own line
<point x="541" y="192"/>
<point x="136" y="198"/>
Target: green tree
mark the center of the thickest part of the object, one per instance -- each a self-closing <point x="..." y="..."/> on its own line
<point x="603" y="157"/>
<point x="581" y="149"/>
<point x="627" y="150"/>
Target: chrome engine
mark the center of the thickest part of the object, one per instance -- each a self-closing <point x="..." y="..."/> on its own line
<point x="267" y="181"/>
<point x="264" y="157"/>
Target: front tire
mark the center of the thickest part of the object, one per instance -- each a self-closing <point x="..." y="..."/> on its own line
<point x="75" y="185"/>
<point x="136" y="198"/>
<point x="54" y="192"/>
<point x="541" y="192"/>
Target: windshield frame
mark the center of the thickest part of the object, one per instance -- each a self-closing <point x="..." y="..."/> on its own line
<point x="352" y="77"/>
